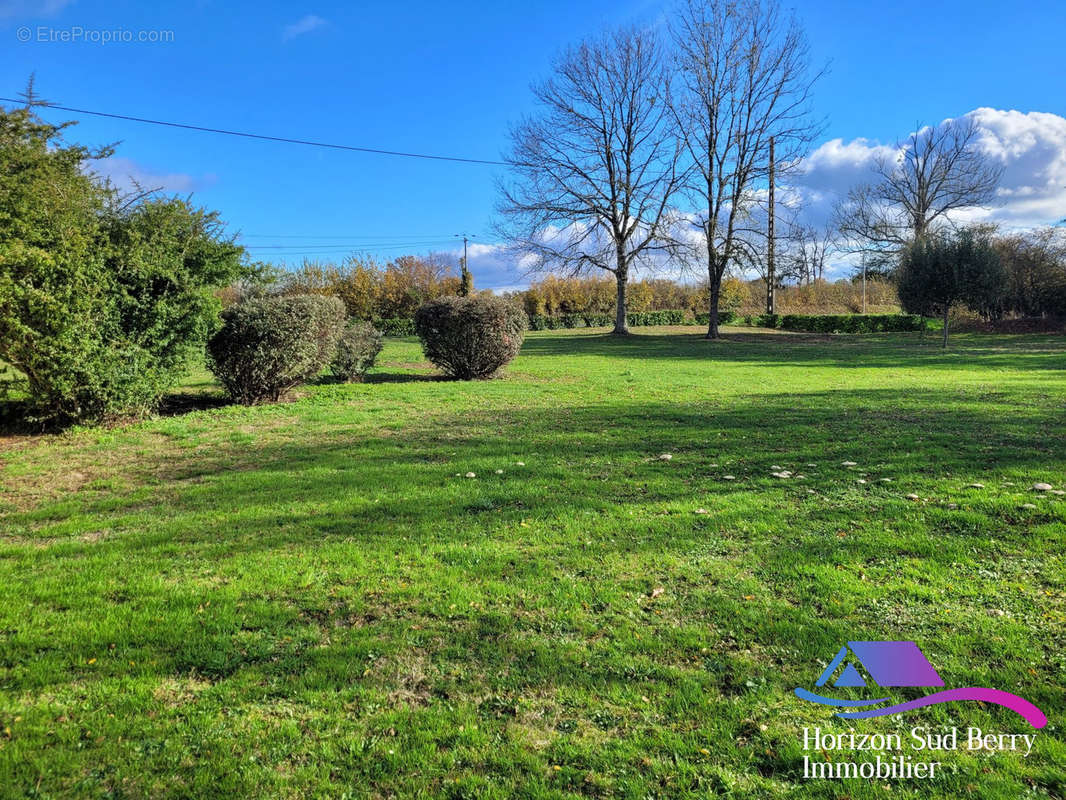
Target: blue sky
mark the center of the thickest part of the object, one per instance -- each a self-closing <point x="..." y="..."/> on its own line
<point x="449" y="78"/>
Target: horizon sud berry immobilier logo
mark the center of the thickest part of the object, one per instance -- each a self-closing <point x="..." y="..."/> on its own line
<point x="900" y="664"/>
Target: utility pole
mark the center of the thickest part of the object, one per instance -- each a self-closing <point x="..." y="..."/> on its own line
<point x="770" y="277"/>
<point x="465" y="283"/>
<point x="864" y="283"/>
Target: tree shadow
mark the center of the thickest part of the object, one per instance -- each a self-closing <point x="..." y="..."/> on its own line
<point x="14" y="422"/>
<point x="845" y="351"/>
<point x="405" y="377"/>
<point x="176" y="404"/>
<point x="597" y="455"/>
<point x="305" y="546"/>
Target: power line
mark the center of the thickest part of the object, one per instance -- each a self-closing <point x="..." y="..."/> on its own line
<point x="382" y="237"/>
<point x="343" y="245"/>
<point x="341" y="250"/>
<point x="284" y="139"/>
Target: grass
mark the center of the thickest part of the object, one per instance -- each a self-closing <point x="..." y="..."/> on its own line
<point x="310" y="600"/>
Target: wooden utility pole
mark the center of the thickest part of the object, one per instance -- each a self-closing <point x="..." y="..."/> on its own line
<point x="770" y="277"/>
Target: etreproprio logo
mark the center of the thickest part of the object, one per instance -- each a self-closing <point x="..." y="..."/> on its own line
<point x="902" y="664"/>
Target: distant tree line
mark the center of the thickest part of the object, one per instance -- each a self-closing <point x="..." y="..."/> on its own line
<point x="392" y="291"/>
<point x="369" y="289"/>
<point x="555" y="296"/>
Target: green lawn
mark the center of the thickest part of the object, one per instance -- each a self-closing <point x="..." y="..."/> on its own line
<point x="311" y="599"/>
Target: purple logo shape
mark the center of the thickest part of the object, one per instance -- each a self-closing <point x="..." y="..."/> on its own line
<point x="897" y="664"/>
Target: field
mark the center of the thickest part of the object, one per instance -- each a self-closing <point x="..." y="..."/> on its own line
<point x="312" y="599"/>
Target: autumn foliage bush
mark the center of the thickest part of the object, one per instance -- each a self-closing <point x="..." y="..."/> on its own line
<point x="470" y="337"/>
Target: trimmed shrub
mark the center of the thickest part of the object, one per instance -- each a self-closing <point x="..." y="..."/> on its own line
<point x="470" y="337"/>
<point x="268" y="345"/>
<point x="357" y="349"/>
<point x="395" y="326"/>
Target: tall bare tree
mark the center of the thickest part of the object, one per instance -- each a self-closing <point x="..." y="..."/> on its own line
<point x="744" y="77"/>
<point x="936" y="170"/>
<point x="594" y="171"/>
<point x="806" y="251"/>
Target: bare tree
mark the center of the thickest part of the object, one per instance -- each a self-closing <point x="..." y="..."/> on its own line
<point x="745" y="76"/>
<point x="937" y="170"/>
<point x="805" y="253"/>
<point x="594" y="172"/>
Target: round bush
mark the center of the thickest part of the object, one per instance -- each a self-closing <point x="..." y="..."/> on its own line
<point x="470" y="337"/>
<point x="268" y="345"/>
<point x="359" y="345"/>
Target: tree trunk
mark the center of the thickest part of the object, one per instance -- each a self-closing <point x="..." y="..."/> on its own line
<point x="621" y="327"/>
<point x="947" y="308"/>
<point x="716" y="293"/>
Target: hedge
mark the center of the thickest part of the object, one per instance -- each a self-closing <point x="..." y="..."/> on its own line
<point x="847" y="323"/>
<point x="810" y="323"/>
<point x="395" y="326"/>
<point x="724" y="318"/>
<point x="636" y="319"/>
<point x="823" y="323"/>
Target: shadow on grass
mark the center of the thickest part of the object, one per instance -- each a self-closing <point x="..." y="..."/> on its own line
<point x="581" y="458"/>
<point x="895" y="350"/>
<point x="405" y="377"/>
<point x="14" y="422"/>
<point x="178" y="403"/>
<point x="530" y="581"/>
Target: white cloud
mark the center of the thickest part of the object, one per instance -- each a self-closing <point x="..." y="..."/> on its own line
<point x="31" y="9"/>
<point x="1032" y="149"/>
<point x="299" y="28"/>
<point x="837" y="164"/>
<point x="127" y="174"/>
<point x="1030" y="146"/>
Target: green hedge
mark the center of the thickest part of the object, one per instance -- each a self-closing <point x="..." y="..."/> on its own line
<point x="396" y="326"/>
<point x="644" y="318"/>
<point x="724" y="318"/>
<point x="847" y="323"/>
<point x="810" y="323"/>
<point x="636" y="319"/>
<point x="822" y="323"/>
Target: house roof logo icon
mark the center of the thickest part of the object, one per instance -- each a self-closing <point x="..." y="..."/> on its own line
<point x="887" y="663"/>
<point x="897" y="664"/>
